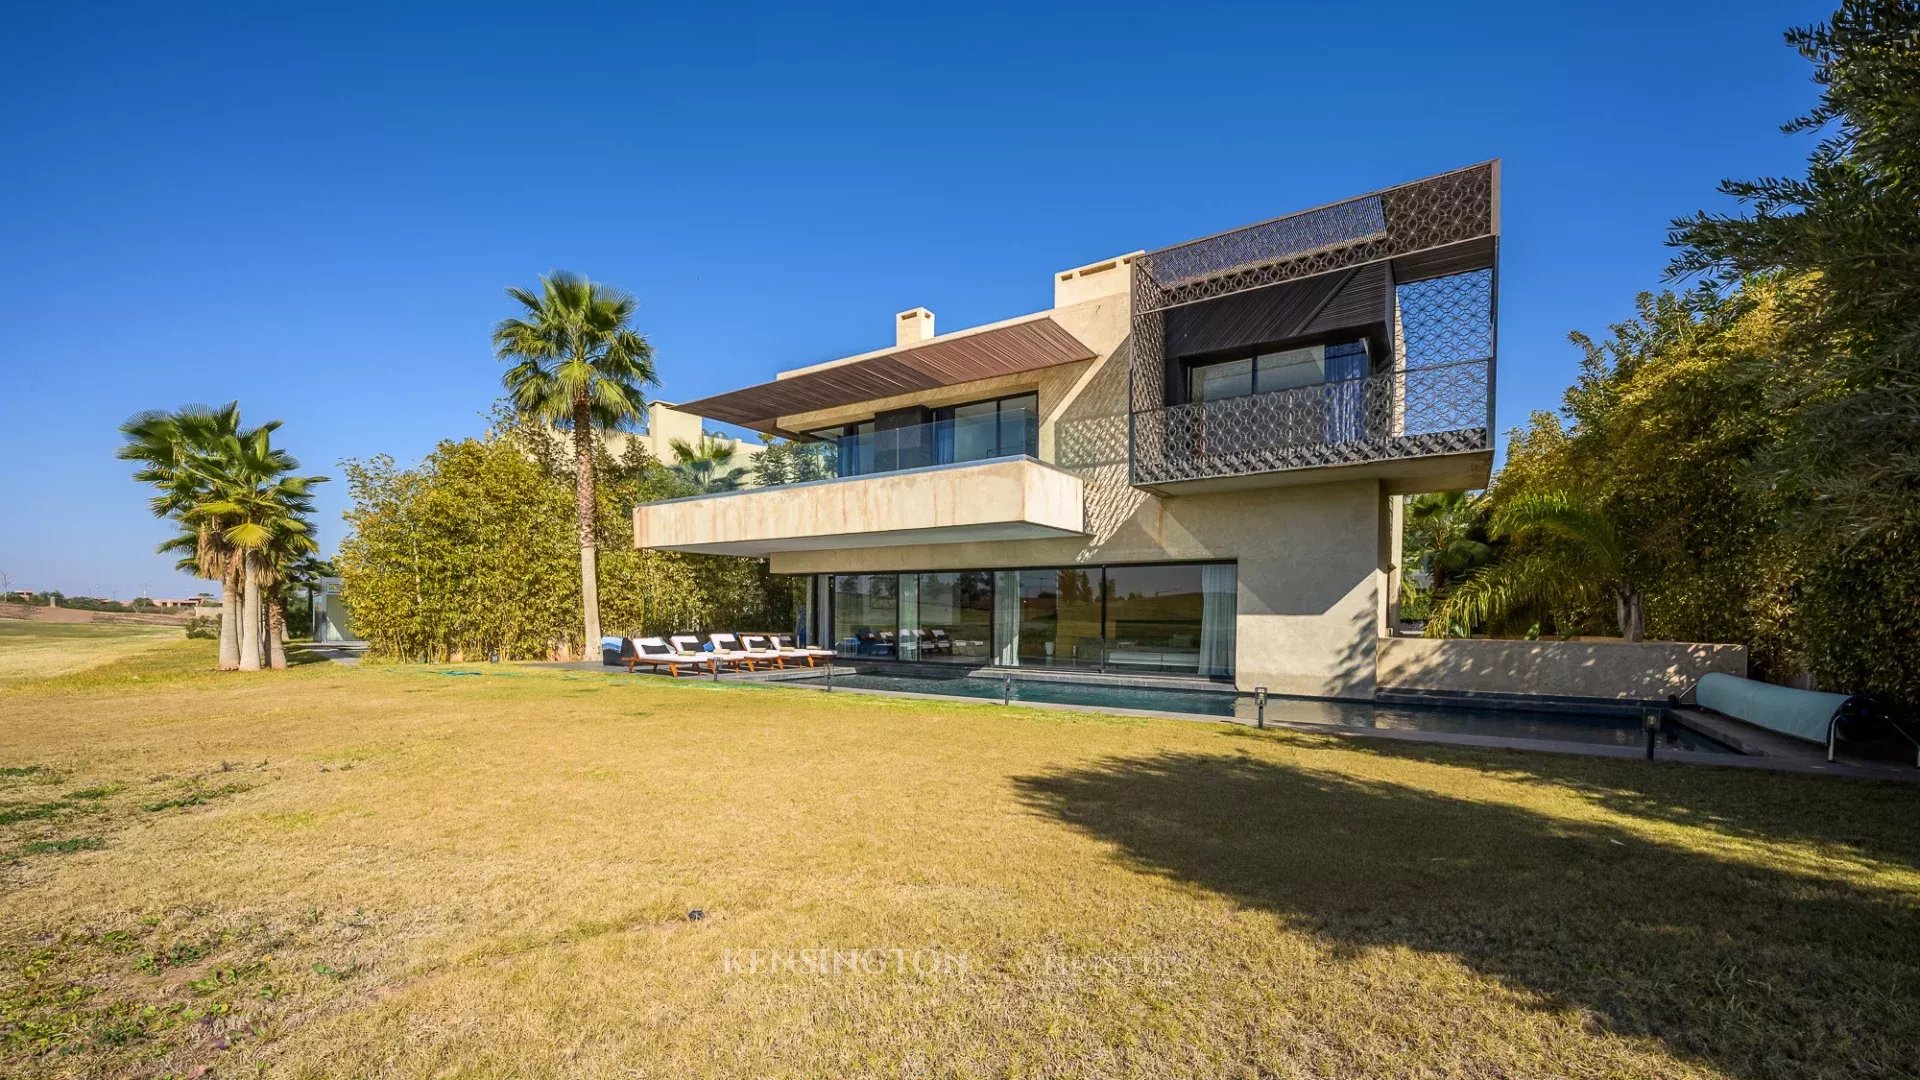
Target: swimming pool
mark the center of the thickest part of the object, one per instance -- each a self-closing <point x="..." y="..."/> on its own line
<point x="1506" y="723"/>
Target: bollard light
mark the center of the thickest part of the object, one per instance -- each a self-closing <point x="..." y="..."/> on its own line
<point x="1260" y="706"/>
<point x="1006" y="690"/>
<point x="1653" y="730"/>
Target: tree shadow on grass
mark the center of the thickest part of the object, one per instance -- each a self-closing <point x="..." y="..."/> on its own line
<point x="1871" y="819"/>
<point x="1746" y="968"/>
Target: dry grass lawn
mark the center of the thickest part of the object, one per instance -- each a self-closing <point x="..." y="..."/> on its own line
<point x="406" y="872"/>
<point x="33" y="650"/>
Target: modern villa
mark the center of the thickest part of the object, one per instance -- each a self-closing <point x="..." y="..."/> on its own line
<point x="1189" y="466"/>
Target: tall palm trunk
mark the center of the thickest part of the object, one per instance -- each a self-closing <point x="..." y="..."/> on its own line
<point x="277" y="628"/>
<point x="229" y="621"/>
<point x="250" y="617"/>
<point x="583" y="500"/>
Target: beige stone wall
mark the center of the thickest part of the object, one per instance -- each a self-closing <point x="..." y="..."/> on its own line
<point x="665" y="424"/>
<point x="1313" y="560"/>
<point x="1310" y="583"/>
<point x="1629" y="671"/>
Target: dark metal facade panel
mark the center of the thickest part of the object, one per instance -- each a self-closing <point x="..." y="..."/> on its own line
<point x="1259" y="316"/>
<point x="1415" y="262"/>
<point x="1343" y="304"/>
<point x="1401" y="223"/>
<point x="1364" y="301"/>
<point x="1006" y="350"/>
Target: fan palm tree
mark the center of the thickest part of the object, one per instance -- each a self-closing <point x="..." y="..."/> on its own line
<point x="1562" y="551"/>
<point x="578" y="365"/>
<point x="168" y="445"/>
<point x="1448" y="530"/>
<point x="706" y="466"/>
<point x="252" y="502"/>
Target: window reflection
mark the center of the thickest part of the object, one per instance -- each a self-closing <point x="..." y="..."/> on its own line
<point x="956" y="617"/>
<point x="1166" y="618"/>
<point x="865" y="614"/>
<point x="1059" y="618"/>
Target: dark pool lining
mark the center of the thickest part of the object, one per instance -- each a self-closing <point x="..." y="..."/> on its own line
<point x="1542" y="726"/>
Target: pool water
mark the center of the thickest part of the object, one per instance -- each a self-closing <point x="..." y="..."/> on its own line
<point x="1507" y="723"/>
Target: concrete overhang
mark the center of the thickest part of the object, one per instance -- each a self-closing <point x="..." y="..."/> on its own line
<point x="1004" y="499"/>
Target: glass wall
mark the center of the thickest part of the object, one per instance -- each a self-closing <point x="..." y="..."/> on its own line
<point x="1165" y="618"/>
<point x="955" y="619"/>
<point x="865" y="614"/>
<point x="1004" y="427"/>
<point x="977" y="431"/>
<point x="1170" y="618"/>
<point x="801" y="588"/>
<point x="1059" y="618"/>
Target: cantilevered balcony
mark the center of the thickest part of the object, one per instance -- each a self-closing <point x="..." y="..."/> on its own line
<point x="1005" y="498"/>
<point x="1425" y="427"/>
<point x="1377" y="316"/>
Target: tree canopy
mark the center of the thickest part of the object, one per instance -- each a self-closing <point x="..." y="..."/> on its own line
<point x="468" y="556"/>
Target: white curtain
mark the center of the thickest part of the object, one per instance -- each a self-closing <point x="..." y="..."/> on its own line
<point x="909" y="618"/>
<point x="1006" y="618"/>
<point x="1219" y="605"/>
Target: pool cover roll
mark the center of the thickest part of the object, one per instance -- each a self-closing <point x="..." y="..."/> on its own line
<point x="1803" y="714"/>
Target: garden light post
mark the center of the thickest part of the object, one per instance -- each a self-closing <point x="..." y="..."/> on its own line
<point x="1260" y="707"/>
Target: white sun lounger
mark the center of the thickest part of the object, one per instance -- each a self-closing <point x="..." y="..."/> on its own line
<point x="659" y="654"/>
<point x="688" y="643"/>
<point x="732" y="645"/>
<point x="763" y="646"/>
<point x="786" y="646"/>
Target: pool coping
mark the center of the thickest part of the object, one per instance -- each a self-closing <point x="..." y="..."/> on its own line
<point x="1434" y="738"/>
<point x="815" y="679"/>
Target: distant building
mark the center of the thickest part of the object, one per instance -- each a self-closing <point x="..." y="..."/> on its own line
<point x="665" y="426"/>
<point x="330" y="619"/>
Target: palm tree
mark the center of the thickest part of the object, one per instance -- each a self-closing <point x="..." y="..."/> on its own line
<point x="707" y="466"/>
<point x="1448" y="533"/>
<point x="253" y="504"/>
<point x="1562" y="551"/>
<point x="167" y="445"/>
<point x="577" y="365"/>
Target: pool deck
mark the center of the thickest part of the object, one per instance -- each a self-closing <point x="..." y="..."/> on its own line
<point x="1757" y="749"/>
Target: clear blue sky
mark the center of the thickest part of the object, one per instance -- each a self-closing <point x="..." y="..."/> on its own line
<point x="316" y="212"/>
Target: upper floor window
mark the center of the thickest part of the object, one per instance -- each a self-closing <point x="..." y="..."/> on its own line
<point x="1280" y="369"/>
<point x="910" y="438"/>
<point x="1003" y="427"/>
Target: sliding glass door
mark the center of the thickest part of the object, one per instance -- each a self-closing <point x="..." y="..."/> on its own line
<point x="1059" y="618"/>
<point x="866" y="614"/>
<point x="955" y="620"/>
<point x="1169" y="618"/>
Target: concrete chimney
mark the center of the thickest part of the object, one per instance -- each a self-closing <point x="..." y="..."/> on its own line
<point x="912" y="327"/>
